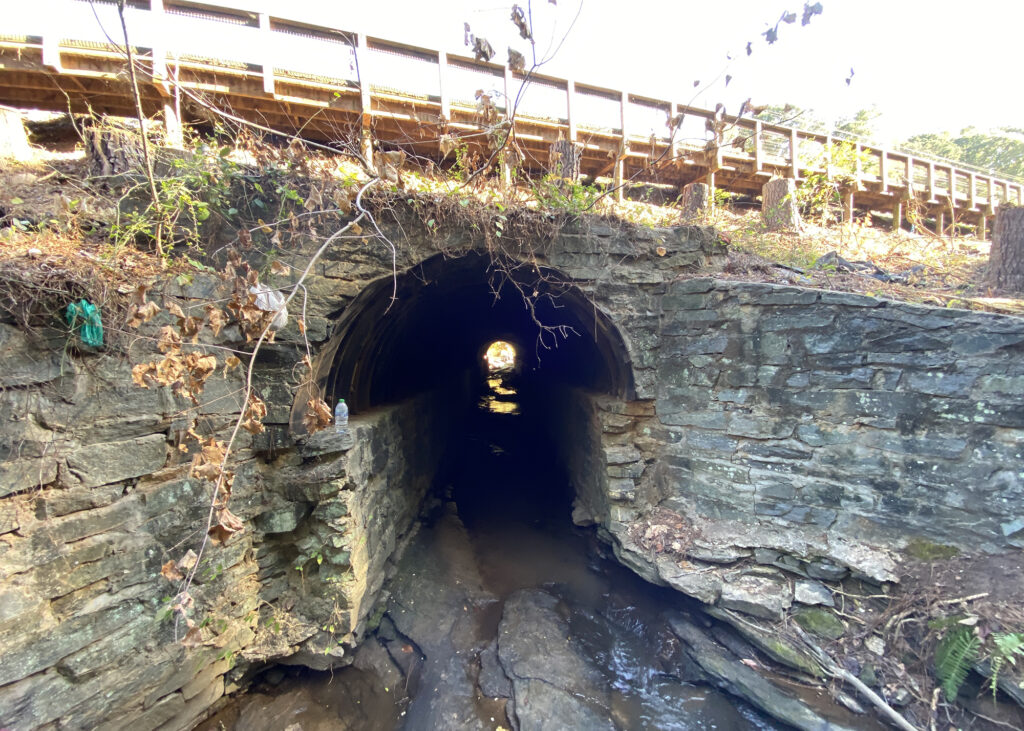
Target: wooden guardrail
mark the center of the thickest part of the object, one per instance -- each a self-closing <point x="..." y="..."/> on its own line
<point x="331" y="84"/>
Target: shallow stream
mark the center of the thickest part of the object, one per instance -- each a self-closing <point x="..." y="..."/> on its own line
<point x="586" y="639"/>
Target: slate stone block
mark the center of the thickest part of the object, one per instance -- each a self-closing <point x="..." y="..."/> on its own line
<point x="104" y="463"/>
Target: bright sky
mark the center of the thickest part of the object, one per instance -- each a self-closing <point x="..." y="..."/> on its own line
<point x="929" y="65"/>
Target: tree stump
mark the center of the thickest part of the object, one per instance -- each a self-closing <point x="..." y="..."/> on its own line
<point x="113" y="150"/>
<point x="13" y="138"/>
<point x="564" y="159"/>
<point x="695" y="200"/>
<point x="778" y="205"/>
<point x="1006" y="261"/>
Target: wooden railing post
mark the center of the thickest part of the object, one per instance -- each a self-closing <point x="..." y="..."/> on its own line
<point x="170" y="96"/>
<point x="156" y="10"/>
<point x="265" y="50"/>
<point x="442" y="83"/>
<point x="362" y="51"/>
<point x="828" y="157"/>
<point x="570" y="115"/>
<point x="910" y="175"/>
<point x="931" y="180"/>
<point x="510" y="102"/>
<point x="758" y="148"/>
<point x="51" y="52"/>
<point x="858" y="165"/>
<point x="883" y="169"/>
<point x="794" y="154"/>
<point x="973" y="193"/>
<point x="619" y="177"/>
<point x="675" y="127"/>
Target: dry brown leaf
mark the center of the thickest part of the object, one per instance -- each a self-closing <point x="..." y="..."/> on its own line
<point x="169" y="340"/>
<point x="227" y="525"/>
<point x="355" y="228"/>
<point x="317" y="416"/>
<point x="175" y="309"/>
<point x="142" y="374"/>
<point x="188" y="561"/>
<point x="170" y="571"/>
<point x="216" y="319"/>
<point x="302" y="326"/>
<point x="230" y="363"/>
<point x="139" y="314"/>
<point x="279" y="267"/>
<point x="255" y="413"/>
<point x="200" y="367"/>
<point x="343" y="200"/>
<point x="190" y="327"/>
<point x="139" y="295"/>
<point x="207" y="463"/>
<point x="183" y="602"/>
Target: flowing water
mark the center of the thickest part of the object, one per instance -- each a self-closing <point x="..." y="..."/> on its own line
<point x="503" y="527"/>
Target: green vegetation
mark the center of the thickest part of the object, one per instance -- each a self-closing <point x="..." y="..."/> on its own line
<point x="961" y="648"/>
<point x="954" y="656"/>
<point x="820" y="192"/>
<point x="925" y="550"/>
<point x="1001" y="149"/>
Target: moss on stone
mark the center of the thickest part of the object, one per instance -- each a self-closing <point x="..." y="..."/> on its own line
<point x="820" y="622"/>
<point x="925" y="550"/>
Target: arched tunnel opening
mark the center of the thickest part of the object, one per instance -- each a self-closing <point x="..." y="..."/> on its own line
<point x="427" y="331"/>
<point x="430" y="326"/>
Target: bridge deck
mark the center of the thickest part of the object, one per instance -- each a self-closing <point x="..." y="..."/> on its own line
<point x="330" y="85"/>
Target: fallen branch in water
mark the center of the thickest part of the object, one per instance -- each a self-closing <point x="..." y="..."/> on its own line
<point x="832" y="669"/>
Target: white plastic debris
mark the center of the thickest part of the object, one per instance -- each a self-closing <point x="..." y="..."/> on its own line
<point x="271" y="300"/>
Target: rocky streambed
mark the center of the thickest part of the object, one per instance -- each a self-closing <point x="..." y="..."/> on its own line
<point x="502" y="614"/>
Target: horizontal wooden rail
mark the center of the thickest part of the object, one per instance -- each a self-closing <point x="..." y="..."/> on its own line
<point x="323" y="80"/>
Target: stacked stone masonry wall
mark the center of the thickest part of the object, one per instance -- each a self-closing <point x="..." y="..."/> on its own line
<point x="782" y="424"/>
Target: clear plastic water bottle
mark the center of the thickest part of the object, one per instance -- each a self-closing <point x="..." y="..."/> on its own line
<point x="341" y="417"/>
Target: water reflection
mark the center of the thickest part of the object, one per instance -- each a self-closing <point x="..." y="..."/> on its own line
<point x="501" y="397"/>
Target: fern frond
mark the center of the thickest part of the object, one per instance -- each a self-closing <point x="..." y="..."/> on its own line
<point x="1007" y="646"/>
<point x="954" y="656"/>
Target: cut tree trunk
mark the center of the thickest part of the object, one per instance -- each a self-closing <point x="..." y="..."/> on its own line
<point x="564" y="159"/>
<point x="1006" y="262"/>
<point x="113" y="150"/>
<point x="695" y="200"/>
<point x="778" y="205"/>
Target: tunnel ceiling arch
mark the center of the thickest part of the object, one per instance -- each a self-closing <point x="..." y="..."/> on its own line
<point x="401" y="337"/>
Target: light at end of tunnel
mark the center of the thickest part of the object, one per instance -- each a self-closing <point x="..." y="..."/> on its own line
<point x="500" y="355"/>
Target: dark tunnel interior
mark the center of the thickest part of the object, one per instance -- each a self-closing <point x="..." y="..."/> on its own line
<point x="445" y="313"/>
<point x="432" y="338"/>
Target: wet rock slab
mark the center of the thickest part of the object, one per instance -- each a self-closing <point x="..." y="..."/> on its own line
<point x="554" y="686"/>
